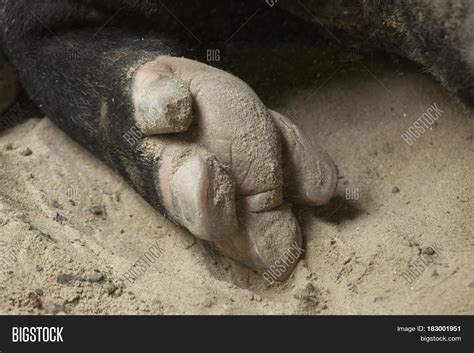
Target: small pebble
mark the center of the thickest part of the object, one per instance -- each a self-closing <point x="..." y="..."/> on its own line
<point x="65" y="278"/>
<point x="110" y="288"/>
<point x="97" y="210"/>
<point x="36" y="301"/>
<point x="471" y="285"/>
<point x="39" y="291"/>
<point x="26" y="152"/>
<point x="118" y="292"/>
<point x="95" y="277"/>
<point x="395" y="190"/>
<point x="39" y="268"/>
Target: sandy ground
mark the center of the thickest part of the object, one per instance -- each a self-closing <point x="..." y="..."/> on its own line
<point x="70" y="229"/>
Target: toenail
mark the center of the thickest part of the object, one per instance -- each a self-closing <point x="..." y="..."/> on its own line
<point x="163" y="103"/>
<point x="198" y="194"/>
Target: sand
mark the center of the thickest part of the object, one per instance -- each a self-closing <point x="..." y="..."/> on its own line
<point x="88" y="244"/>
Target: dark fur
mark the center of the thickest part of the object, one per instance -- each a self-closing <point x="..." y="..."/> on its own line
<point x="439" y="35"/>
